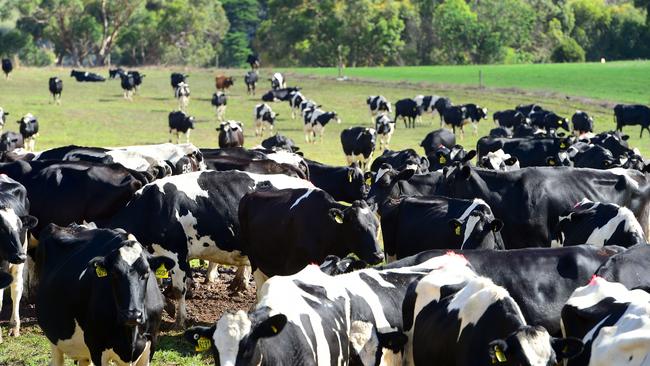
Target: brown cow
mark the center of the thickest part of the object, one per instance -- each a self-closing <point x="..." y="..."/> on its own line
<point x="222" y="82"/>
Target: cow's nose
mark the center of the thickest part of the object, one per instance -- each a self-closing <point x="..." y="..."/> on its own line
<point x="133" y="318"/>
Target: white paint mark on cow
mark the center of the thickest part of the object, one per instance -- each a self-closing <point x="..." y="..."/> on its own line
<point x="130" y="253"/>
<point x="230" y="330"/>
<point x="304" y="196"/>
<point x="536" y="347"/>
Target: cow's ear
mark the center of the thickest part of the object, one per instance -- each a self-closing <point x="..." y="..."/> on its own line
<point x="336" y="215"/>
<point x="496" y="225"/>
<point x="271" y="326"/>
<point x="200" y="337"/>
<point x="497" y="350"/>
<point x="161" y="266"/>
<point x="470" y="155"/>
<point x="29" y="221"/>
<point x="368" y="178"/>
<point x="456" y="226"/>
<point x="442" y="159"/>
<point x="567" y="348"/>
<point x="464" y="173"/>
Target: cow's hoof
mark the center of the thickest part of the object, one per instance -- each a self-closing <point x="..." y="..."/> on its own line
<point x="15" y="332"/>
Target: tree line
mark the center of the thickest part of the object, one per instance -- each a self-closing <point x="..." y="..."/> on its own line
<point x="322" y="32"/>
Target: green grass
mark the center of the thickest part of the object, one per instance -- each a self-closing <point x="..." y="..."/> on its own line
<point x="616" y="81"/>
<point x="97" y="115"/>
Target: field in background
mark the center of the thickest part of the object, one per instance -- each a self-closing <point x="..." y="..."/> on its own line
<point x="97" y="115"/>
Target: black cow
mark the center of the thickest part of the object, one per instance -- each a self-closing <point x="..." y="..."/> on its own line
<point x="10" y="141"/>
<point x="177" y="78"/>
<point x="510" y="118"/>
<point x="254" y="61"/>
<point x="613" y="141"/>
<point x="251" y="79"/>
<point x="440" y="105"/>
<point x="231" y="134"/>
<point x="541" y="151"/>
<point x="283" y="94"/>
<point x="385" y="128"/>
<point x="279" y="142"/>
<point x="582" y="123"/>
<point x="401" y="159"/>
<point x="343" y="183"/>
<point x="137" y="78"/>
<point x="389" y="184"/>
<point x="358" y="145"/>
<point x="408" y="110"/>
<point x="549" y="121"/>
<point x="436" y="138"/>
<point x="378" y="104"/>
<point x="592" y="156"/>
<point x="115" y="73"/>
<point x="631" y="115"/>
<point x="456" y="117"/>
<point x="28" y="127"/>
<point x="99" y="300"/>
<point x="220" y="101"/>
<point x="56" y="87"/>
<point x="599" y="224"/>
<point x="315" y="122"/>
<point x="7" y="67"/>
<point x="180" y="122"/>
<point x="308" y="225"/>
<point x="195" y="216"/>
<point x="85" y="76"/>
<point x="128" y="85"/>
<point x="411" y="225"/>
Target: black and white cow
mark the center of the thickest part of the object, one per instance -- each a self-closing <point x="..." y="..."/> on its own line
<point x="427" y="103"/>
<point x="584" y="155"/>
<point x="182" y="158"/>
<point x="219" y="101"/>
<point x="358" y="145"/>
<point x="182" y="95"/>
<point x="196" y="216"/>
<point x="401" y="159"/>
<point x="385" y="128"/>
<point x="250" y="79"/>
<point x="9" y="142"/>
<point x="15" y="222"/>
<point x="343" y="183"/>
<point x="231" y="134"/>
<point x="456" y="117"/>
<point x="441" y="105"/>
<point x="55" y="84"/>
<point x="115" y="73"/>
<point x="295" y="100"/>
<point x="7" y="67"/>
<point x="308" y="224"/>
<point x="3" y="118"/>
<point x="436" y="138"/>
<point x="411" y="225"/>
<point x="632" y="115"/>
<point x="612" y="321"/>
<point x="315" y="122"/>
<point x="307" y="106"/>
<point x="599" y="224"/>
<point x="279" y="142"/>
<point x="28" y="127"/>
<point x="180" y="122"/>
<point x="137" y="78"/>
<point x="254" y="61"/>
<point x="279" y="95"/>
<point x="128" y="85"/>
<point x="527" y="109"/>
<point x="408" y="110"/>
<point x="85" y="76"/>
<point x="177" y="78"/>
<point x="378" y="104"/>
<point x="476" y="322"/>
<point x="278" y="81"/>
<point x="510" y="118"/>
<point x="549" y="151"/>
<point x="583" y="125"/>
<point x="498" y="160"/>
<point x="549" y="121"/>
<point x="99" y="300"/>
<point x="443" y="157"/>
<point x="475" y="113"/>
<point x="264" y="119"/>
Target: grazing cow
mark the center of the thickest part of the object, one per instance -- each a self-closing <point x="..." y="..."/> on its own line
<point x="115" y="73"/>
<point x="443" y="157"/>
<point x="85" y="76"/>
<point x="264" y="119"/>
<point x="56" y="87"/>
<point x="7" y="67"/>
<point x="550" y="151"/>
<point x="137" y="79"/>
<point x="15" y="221"/>
<point x="3" y="118"/>
<point x="385" y="128"/>
<point x="98" y="299"/>
<point x="436" y="138"/>
<point x="612" y="321"/>
<point x="408" y="110"/>
<point x="476" y="322"/>
<point x="278" y="81"/>
<point x="283" y="94"/>
<point x="315" y="121"/>
<point x="254" y="61"/>
<point x="411" y="225"/>
<point x="358" y="145"/>
<point x="182" y="94"/>
<point x="222" y="82"/>
<point x="250" y="79"/>
<point x="219" y="101"/>
<point x="510" y="118"/>
<point x="378" y="104"/>
<point x="180" y="122"/>
<point x="28" y="127"/>
<point x="177" y="78"/>
<point x="401" y="159"/>
<point x="10" y="141"/>
<point x="295" y="100"/>
<point x="599" y="224"/>
<point x="583" y="124"/>
<point x="631" y="115"/>
<point x="183" y="158"/>
<point x="231" y="134"/>
<point x="196" y="217"/>
<point x="498" y="160"/>
<point x="280" y="142"/>
<point x="128" y="85"/>
<point x="308" y="225"/>
<point x="344" y="183"/>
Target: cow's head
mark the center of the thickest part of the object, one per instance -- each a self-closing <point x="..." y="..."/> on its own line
<point x="532" y="346"/>
<point x="355" y="187"/>
<point x="385" y="184"/>
<point x="333" y="265"/>
<point x="479" y="230"/>
<point x="498" y="160"/>
<point x="13" y="233"/>
<point x="360" y="228"/>
<point x="128" y="270"/>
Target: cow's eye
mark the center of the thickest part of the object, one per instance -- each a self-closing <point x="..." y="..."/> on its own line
<point x="196" y="336"/>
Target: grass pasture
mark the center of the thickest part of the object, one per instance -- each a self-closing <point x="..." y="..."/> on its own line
<point x="97" y="115"/>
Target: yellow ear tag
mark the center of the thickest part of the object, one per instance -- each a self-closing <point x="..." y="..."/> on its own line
<point x="457" y="230"/>
<point x="274" y="329"/>
<point x="562" y="145"/>
<point x="442" y="160"/>
<point x="101" y="271"/>
<point x="203" y="344"/>
<point x="369" y="181"/>
<point x="162" y="272"/>
<point x="499" y="354"/>
<point x="338" y="218"/>
<point x="551" y="162"/>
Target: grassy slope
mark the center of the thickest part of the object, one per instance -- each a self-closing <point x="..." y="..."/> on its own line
<point x="96" y="115"/>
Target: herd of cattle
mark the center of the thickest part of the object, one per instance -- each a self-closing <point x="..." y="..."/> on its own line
<point x="535" y="255"/>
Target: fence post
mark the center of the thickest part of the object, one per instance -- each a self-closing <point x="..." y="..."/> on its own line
<point x="480" y="79"/>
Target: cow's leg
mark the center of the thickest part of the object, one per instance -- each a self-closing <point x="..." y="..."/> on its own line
<point x="170" y="136"/>
<point x="259" y="278"/>
<point x="187" y="136"/>
<point x="641" y="134"/>
<point x="16" y="294"/>
<point x="57" y="356"/>
<point x="213" y="273"/>
<point x="178" y="137"/>
<point x="241" y="280"/>
<point x="475" y="127"/>
<point x="143" y="360"/>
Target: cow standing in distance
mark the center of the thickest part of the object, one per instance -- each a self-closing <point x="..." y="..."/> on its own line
<point x="315" y="121"/>
<point x="7" y="67"/>
<point x="3" y="118"/>
<point x="128" y="85"/>
<point x="223" y="82"/>
<point x="385" y="128"/>
<point x="254" y="61"/>
<point x="28" y="127"/>
<point x="378" y="104"/>
<point x="180" y="122"/>
<point x="177" y="78"/>
<point x="295" y="101"/>
<point x="115" y="73"/>
<point x="278" y="81"/>
<point x="264" y="119"/>
<point x="220" y="101"/>
<point x="231" y="134"/>
<point x="137" y="79"/>
<point x="358" y="145"/>
<point x="182" y="94"/>
<point x="631" y="115"/>
<point x="55" y="85"/>
<point x="408" y="110"/>
<point x="250" y="79"/>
